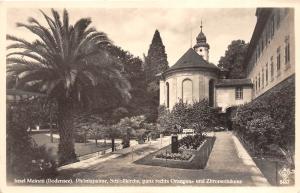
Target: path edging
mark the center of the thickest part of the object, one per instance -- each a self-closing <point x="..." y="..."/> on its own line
<point x="257" y="177"/>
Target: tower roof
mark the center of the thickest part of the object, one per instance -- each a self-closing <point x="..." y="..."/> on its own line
<point x="201" y="39"/>
<point x="192" y="60"/>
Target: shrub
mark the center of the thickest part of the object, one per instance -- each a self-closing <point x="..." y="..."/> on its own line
<point x="192" y="142"/>
<point x="199" y="116"/>
<point x="20" y="148"/>
<point x="43" y="164"/>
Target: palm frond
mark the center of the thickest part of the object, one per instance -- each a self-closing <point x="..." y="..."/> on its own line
<point x="41" y="34"/>
<point x="31" y="56"/>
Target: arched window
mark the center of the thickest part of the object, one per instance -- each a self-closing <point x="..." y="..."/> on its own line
<point x="211" y="91"/>
<point x="187" y="91"/>
<point x="168" y="95"/>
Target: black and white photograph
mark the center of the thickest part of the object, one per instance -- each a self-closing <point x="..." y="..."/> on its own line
<point x="149" y="96"/>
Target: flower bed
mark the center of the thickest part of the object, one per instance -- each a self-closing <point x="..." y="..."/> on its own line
<point x="192" y="142"/>
<point x="184" y="156"/>
<point x="185" y="159"/>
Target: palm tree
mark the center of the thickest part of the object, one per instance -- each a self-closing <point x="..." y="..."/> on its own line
<point x="64" y="62"/>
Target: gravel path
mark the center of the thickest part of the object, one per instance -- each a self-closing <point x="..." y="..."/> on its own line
<point x="225" y="168"/>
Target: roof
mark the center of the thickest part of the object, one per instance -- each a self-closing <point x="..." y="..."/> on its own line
<point x="192" y="60"/>
<point x="262" y="18"/>
<point x="233" y="82"/>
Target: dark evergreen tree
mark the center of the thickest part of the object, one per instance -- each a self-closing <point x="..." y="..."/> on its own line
<point x="233" y="60"/>
<point x="155" y="62"/>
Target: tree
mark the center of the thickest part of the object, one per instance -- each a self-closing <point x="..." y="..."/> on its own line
<point x="233" y="60"/>
<point x="134" y="72"/>
<point x="64" y="63"/>
<point x="155" y="62"/>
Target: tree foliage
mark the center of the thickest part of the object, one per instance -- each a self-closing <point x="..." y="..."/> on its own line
<point x="199" y="116"/>
<point x="155" y="62"/>
<point x="65" y="62"/>
<point x="135" y="74"/>
<point x="233" y="60"/>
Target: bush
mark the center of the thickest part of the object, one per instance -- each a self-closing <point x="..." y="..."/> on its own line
<point x="191" y="142"/>
<point x="79" y="138"/>
<point x="43" y="164"/>
<point x="126" y="142"/>
<point x="21" y="149"/>
<point x="199" y="116"/>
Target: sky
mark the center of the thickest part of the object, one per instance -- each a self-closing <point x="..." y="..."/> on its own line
<point x="133" y="28"/>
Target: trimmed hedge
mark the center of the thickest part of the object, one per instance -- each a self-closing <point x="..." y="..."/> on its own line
<point x="268" y="122"/>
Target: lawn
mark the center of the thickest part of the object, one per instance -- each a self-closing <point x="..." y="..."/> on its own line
<point x="198" y="162"/>
<point x="80" y="148"/>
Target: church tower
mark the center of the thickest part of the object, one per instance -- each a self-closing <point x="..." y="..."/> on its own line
<point x="202" y="47"/>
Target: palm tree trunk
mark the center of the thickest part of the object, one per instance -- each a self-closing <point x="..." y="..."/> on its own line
<point x="66" y="150"/>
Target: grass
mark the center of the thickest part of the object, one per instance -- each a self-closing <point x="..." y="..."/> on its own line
<point x="80" y="148"/>
<point x="198" y="162"/>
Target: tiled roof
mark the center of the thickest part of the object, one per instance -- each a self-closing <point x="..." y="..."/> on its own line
<point x="233" y="82"/>
<point x="192" y="60"/>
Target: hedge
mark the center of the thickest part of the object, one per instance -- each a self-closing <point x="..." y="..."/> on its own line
<point x="268" y="122"/>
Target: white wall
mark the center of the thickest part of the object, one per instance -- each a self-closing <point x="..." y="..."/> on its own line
<point x="286" y="28"/>
<point x="200" y="86"/>
<point x="225" y="97"/>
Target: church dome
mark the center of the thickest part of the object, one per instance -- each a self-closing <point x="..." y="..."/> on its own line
<point x="201" y="38"/>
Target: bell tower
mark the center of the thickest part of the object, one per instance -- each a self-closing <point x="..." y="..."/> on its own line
<point x="201" y="46"/>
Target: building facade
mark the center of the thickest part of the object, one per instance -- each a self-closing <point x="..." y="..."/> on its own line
<point x="269" y="61"/>
<point x="271" y="54"/>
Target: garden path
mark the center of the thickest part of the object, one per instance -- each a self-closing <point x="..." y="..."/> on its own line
<point x="229" y="155"/>
<point x="227" y="162"/>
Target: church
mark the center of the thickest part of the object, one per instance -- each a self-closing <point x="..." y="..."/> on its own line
<point x="193" y="78"/>
<point x="269" y="63"/>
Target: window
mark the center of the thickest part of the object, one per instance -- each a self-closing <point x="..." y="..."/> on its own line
<point x="168" y="95"/>
<point x="286" y="10"/>
<point x="258" y="81"/>
<point x="278" y="18"/>
<point x="238" y="93"/>
<point x="267" y="73"/>
<point x="272" y="68"/>
<point x="266" y="38"/>
<point x="262" y="78"/>
<point x="255" y="84"/>
<point x="272" y="26"/>
<point x="287" y="50"/>
<point x="187" y="91"/>
<point x="278" y="59"/>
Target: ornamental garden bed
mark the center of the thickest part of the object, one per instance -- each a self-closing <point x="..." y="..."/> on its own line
<point x="189" y="156"/>
<point x="180" y="156"/>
